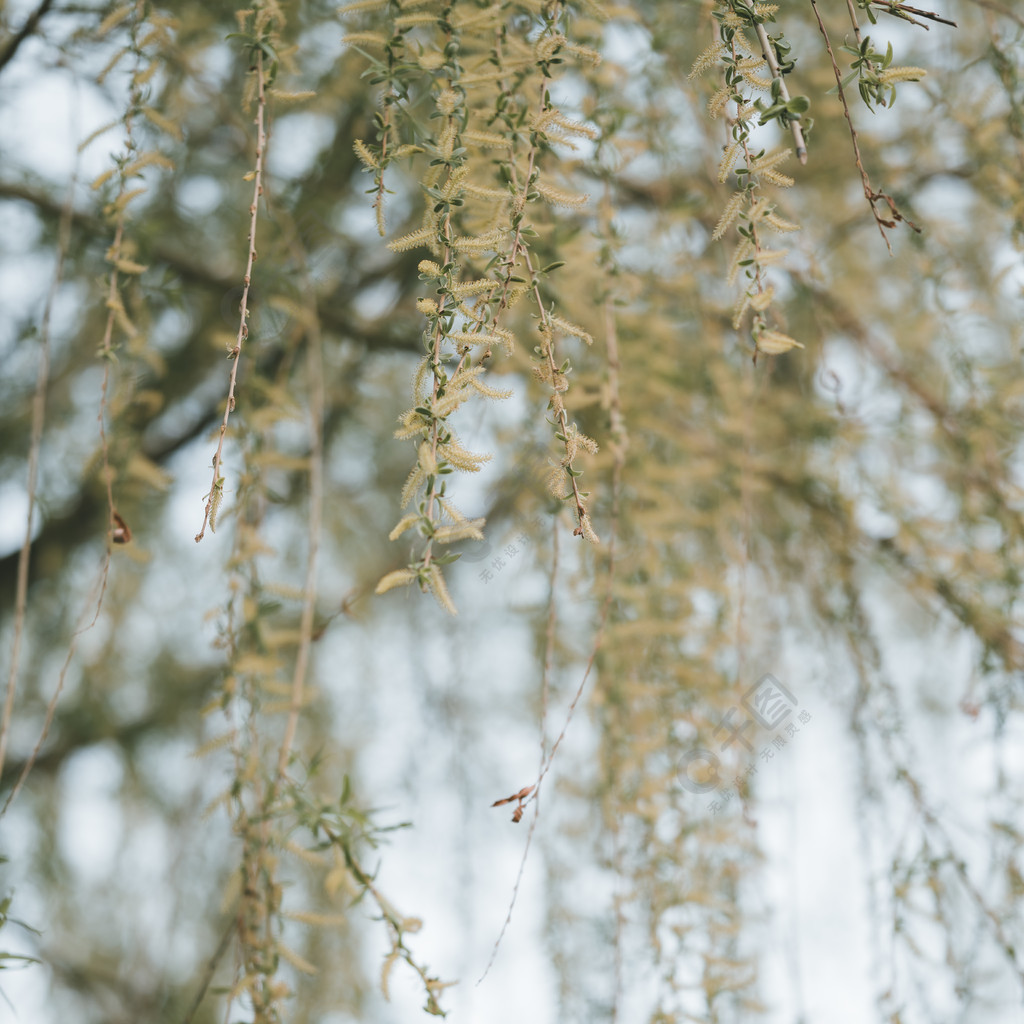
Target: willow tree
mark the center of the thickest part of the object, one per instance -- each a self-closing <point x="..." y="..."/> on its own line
<point x="394" y="391"/>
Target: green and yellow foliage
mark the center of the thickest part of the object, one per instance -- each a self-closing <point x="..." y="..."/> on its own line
<point x="677" y="294"/>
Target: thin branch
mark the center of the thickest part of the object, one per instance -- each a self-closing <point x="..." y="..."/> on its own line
<point x="31" y="24"/>
<point x="854" y="22"/>
<point x="768" y="50"/>
<point x="314" y="365"/>
<point x="211" y="969"/>
<point x="52" y="706"/>
<point x="619" y="444"/>
<point x="907" y="13"/>
<point x="217" y="485"/>
<point x="549" y="655"/>
<point x="35" y="443"/>
<point x="117" y="529"/>
<point x="900" y="761"/>
<point x="396" y="924"/>
<point x="106" y="349"/>
<point x="869" y="193"/>
<point x="602" y="623"/>
<point x="583" y="528"/>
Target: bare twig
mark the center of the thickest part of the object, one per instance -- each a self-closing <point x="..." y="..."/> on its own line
<point x="618" y="446"/>
<point x="602" y="623"/>
<point x="314" y="367"/>
<point x="217" y="484"/>
<point x="116" y="527"/>
<point x="211" y="970"/>
<point x="907" y="13"/>
<point x="523" y="794"/>
<point x="35" y="443"/>
<point x="52" y="706"/>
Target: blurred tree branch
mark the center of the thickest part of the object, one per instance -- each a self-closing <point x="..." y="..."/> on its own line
<point x="31" y="24"/>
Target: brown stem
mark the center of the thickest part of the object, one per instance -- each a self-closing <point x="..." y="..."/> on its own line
<point x="31" y="24"/>
<point x="869" y="193"/>
<point x="773" y="65"/>
<point x="314" y="366"/>
<point x="243" y="330"/>
<point x="35" y="443"/>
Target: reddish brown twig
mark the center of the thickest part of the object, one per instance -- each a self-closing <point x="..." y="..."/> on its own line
<point x="217" y="485"/>
<point x="869" y="192"/>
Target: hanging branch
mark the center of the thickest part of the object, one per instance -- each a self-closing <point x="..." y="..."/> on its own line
<point x="779" y="84"/>
<point x="619" y="443"/>
<point x="870" y="194"/>
<point x="131" y="164"/>
<point x="315" y="373"/>
<point x="128" y="166"/>
<point x="35" y="443"/>
<point x="748" y="204"/>
<point x="907" y="13"/>
<point x="216" y="492"/>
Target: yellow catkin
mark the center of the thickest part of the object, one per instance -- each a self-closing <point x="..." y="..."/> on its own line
<point x="438" y="587"/>
<point x="744" y="251"/>
<point x="398" y="578"/>
<point x="567" y="327"/>
<point x="728" y="159"/>
<point x="891" y="75"/>
<point x="561" y="197"/>
<point x="781" y="180"/>
<point x="365" y="39"/>
<point x="113" y="19"/>
<point x="707" y="58"/>
<point x="491" y="140"/>
<point x="729" y="214"/>
<point x="770" y="161"/>
<point x="412" y="240"/>
<point x="361" y="5"/>
<point x="717" y="103"/>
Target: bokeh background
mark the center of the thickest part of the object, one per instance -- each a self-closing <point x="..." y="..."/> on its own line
<point x="846" y="517"/>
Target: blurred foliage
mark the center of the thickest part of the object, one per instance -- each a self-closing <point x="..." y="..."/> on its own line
<point x="850" y="498"/>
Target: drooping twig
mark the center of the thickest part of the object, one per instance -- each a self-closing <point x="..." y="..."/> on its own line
<point x="527" y="791"/>
<point x="908" y="13"/>
<point x="211" y="969"/>
<point x="619" y="444"/>
<point x="768" y="51"/>
<point x="870" y="194"/>
<point x="396" y="924"/>
<point x="35" y="443"/>
<point x="117" y="530"/>
<point x="100" y="589"/>
<point x="314" y="365"/>
<point x="217" y="484"/>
